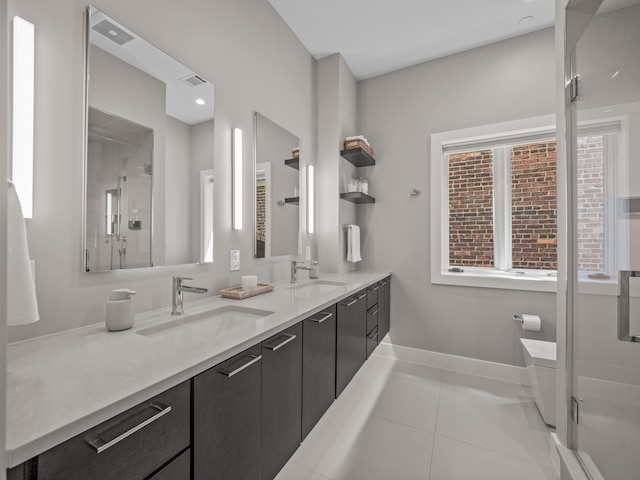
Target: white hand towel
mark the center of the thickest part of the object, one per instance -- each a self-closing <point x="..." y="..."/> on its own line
<point x="22" y="304"/>
<point x="353" y="244"/>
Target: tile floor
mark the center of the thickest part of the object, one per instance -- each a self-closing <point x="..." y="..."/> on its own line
<point x="404" y="421"/>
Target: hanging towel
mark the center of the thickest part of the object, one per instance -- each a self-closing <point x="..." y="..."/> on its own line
<point x="22" y="305"/>
<point x="353" y="244"/>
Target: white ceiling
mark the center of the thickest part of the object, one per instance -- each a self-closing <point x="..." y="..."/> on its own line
<point x="380" y="36"/>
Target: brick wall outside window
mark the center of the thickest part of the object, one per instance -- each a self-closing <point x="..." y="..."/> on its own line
<point x="534" y="206"/>
<point x="591" y="209"/>
<point x="471" y="209"/>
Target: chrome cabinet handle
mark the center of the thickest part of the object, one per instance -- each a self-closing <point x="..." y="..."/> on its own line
<point x="320" y="320"/>
<point x="375" y="288"/>
<point x="362" y="296"/>
<point x="352" y="302"/>
<point x="623" y="306"/>
<point x="374" y="313"/>
<point x="289" y="338"/>
<point x="100" y="445"/>
<point x="231" y="373"/>
<point x="375" y="335"/>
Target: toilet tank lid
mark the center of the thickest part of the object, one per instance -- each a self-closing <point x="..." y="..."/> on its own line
<point x="542" y="353"/>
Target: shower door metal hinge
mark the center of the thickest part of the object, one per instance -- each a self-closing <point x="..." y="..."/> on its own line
<point x="575" y="410"/>
<point x="575" y="89"/>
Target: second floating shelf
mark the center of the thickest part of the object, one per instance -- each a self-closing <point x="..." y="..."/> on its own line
<point x="357" y="197"/>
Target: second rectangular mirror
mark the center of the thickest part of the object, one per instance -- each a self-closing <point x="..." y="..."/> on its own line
<point x="277" y="190"/>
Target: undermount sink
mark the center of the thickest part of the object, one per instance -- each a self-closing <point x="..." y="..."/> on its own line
<point x="208" y="324"/>
<point x="315" y="288"/>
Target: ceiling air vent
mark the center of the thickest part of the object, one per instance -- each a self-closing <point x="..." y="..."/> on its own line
<point x="112" y="32"/>
<point x="194" y="80"/>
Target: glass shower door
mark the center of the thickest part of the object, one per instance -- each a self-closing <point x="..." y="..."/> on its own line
<point x="605" y="236"/>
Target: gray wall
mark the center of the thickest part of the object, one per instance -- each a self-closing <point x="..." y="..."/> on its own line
<point x="256" y="64"/>
<point x="398" y="112"/>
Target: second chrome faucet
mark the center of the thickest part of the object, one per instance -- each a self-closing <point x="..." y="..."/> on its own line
<point x="295" y="266"/>
<point x="178" y="287"/>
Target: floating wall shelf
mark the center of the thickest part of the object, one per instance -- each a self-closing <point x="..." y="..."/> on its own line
<point x="358" y="156"/>
<point x="293" y="163"/>
<point x="357" y="197"/>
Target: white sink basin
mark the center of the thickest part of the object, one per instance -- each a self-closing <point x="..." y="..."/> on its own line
<point x="209" y="324"/>
<point x="316" y="288"/>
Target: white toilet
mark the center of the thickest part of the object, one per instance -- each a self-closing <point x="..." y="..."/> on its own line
<point x="540" y="359"/>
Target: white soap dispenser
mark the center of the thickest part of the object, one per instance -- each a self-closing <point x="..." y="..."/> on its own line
<point x="120" y="310"/>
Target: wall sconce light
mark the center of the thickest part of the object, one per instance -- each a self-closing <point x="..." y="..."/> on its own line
<point x="237" y="179"/>
<point x="23" y="112"/>
<point x="311" y="199"/>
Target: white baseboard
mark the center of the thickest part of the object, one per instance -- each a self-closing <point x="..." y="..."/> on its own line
<point x="498" y="371"/>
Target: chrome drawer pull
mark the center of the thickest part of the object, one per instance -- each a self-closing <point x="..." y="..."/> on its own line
<point x="374" y="313"/>
<point x="100" y="445"/>
<point x="352" y="302"/>
<point x="320" y="320"/>
<point x="362" y="296"/>
<point x="375" y="288"/>
<point x="290" y="338"/>
<point x="254" y="359"/>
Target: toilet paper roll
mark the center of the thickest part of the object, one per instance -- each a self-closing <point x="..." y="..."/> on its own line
<point x="531" y="322"/>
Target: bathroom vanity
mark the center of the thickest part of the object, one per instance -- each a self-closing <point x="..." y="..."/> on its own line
<point x="232" y="387"/>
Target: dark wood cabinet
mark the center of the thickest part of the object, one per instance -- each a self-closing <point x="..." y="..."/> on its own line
<point x="281" y="399"/>
<point x="384" y="308"/>
<point x="178" y="469"/>
<point x="318" y="366"/>
<point x="132" y="445"/>
<point x="226" y="419"/>
<point x="351" y="344"/>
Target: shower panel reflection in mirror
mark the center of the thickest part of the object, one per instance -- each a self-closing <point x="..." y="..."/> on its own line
<point x="149" y="154"/>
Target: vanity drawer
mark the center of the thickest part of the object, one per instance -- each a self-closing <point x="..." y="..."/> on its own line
<point x="372" y="341"/>
<point x="178" y="469"/>
<point x="130" y="446"/>
<point x="372" y="318"/>
<point x="372" y="295"/>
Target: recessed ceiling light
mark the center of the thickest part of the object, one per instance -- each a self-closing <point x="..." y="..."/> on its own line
<point x="526" y="20"/>
<point x="200" y="101"/>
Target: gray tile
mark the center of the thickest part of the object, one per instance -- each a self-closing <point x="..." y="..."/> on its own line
<point x="454" y="460"/>
<point x="491" y="414"/>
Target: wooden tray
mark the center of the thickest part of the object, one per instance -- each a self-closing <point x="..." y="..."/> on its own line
<point x="237" y="293"/>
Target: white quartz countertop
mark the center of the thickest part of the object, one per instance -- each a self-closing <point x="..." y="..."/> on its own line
<point x="60" y="385"/>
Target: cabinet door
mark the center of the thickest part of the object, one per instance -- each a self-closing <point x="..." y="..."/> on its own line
<point x="318" y="366"/>
<point x="130" y="446"/>
<point x="351" y="339"/>
<point x="281" y="399"/>
<point x="226" y="419"/>
<point x="178" y="469"/>
<point x="384" y="308"/>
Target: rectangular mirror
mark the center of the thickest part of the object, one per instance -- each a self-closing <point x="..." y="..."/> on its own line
<point x="149" y="154"/>
<point x="277" y="190"/>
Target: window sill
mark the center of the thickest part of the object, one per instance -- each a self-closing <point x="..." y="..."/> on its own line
<point x="494" y="279"/>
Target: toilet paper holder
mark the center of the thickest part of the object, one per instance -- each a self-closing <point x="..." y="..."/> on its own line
<point x="518" y="318"/>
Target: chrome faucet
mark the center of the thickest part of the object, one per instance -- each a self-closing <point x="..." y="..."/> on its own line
<point x="295" y="266"/>
<point x="176" y="293"/>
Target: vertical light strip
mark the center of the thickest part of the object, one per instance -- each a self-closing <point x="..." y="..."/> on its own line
<point x="237" y="179"/>
<point x="311" y="200"/>
<point x="23" y="108"/>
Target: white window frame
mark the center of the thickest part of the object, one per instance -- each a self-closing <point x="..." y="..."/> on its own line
<point x="534" y="280"/>
<point x="472" y="276"/>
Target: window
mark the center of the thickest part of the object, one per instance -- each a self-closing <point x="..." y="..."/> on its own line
<point x="494" y="204"/>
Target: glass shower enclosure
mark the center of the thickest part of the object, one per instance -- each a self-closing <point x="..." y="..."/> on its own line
<point x="603" y="128"/>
